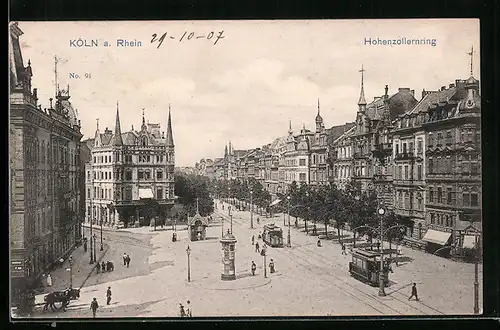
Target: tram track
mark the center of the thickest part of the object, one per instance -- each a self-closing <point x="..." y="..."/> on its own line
<point x="320" y="258"/>
<point x="342" y="289"/>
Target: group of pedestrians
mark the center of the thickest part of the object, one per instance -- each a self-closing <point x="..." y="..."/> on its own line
<point x="94" y="305"/>
<point x="107" y="266"/>
<point x="185" y="312"/>
<point x="126" y="260"/>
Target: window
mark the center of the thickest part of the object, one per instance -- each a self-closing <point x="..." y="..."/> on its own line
<point x="431" y="140"/>
<point x="431" y="165"/>
<point x="302" y="177"/>
<point x="147" y="175"/>
<point x="433" y="220"/>
<point x="140" y="175"/>
<point x="397" y="149"/>
<point x="448" y="137"/>
<point x="406" y="172"/>
<point x="302" y="162"/>
<point x="431" y="195"/>
<point x="440" y="195"/>
<point x="466" y="199"/>
<point x="419" y="172"/>
<point x="88" y="192"/>
<point x="448" y="195"/>
<point x="449" y="165"/>
<point x="474" y="199"/>
<point x="128" y="175"/>
<point x="159" y="193"/>
<point x="404" y="148"/>
<point x="159" y="175"/>
<point x="411" y="150"/>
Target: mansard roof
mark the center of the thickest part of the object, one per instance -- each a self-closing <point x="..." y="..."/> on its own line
<point x="433" y="98"/>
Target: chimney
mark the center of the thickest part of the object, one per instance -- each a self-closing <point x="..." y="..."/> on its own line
<point x="443" y="88"/>
<point x="400" y="89"/>
<point x="412" y="92"/>
<point x="452" y="85"/>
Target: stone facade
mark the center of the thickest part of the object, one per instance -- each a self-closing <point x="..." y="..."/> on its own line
<point x="130" y="174"/>
<point x="45" y="173"/>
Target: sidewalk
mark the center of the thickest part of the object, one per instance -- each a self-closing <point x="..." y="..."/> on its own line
<point x="81" y="270"/>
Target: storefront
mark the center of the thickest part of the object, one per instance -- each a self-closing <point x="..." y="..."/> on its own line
<point x="437" y="242"/>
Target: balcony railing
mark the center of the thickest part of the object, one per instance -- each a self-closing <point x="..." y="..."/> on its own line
<point x="404" y="156"/>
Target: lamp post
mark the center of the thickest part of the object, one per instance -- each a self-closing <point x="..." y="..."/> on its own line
<point x="476" y="276"/>
<point x="231" y="219"/>
<point x="102" y="247"/>
<point x="70" y="271"/>
<point x="188" y="252"/>
<point x="289" y="240"/>
<point x="264" y="252"/>
<point x="381" y="289"/>
<point x="95" y="250"/>
<point x="251" y="209"/>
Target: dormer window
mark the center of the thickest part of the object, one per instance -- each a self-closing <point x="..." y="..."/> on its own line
<point x="144" y="141"/>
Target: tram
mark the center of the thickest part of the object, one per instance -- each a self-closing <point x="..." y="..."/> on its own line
<point x="273" y="235"/>
<point x="365" y="266"/>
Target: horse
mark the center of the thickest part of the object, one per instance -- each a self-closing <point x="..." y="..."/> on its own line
<point x="62" y="297"/>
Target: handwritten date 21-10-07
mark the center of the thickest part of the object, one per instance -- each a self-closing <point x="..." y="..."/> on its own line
<point x="188" y="36"/>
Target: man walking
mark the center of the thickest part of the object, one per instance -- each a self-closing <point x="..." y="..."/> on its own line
<point x="253" y="239"/>
<point x="189" y="311"/>
<point x="93" y="306"/>
<point x="257" y="249"/>
<point x="124" y="259"/>
<point x="108" y="295"/>
<point x="414" y="292"/>
<point x="254" y="267"/>
<point x="343" y="249"/>
<point x="127" y="260"/>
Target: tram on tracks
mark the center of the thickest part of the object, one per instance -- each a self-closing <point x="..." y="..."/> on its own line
<point x="273" y="235"/>
<point x="365" y="266"/>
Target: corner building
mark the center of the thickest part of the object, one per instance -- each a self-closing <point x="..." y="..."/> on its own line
<point x="131" y="175"/>
<point x="44" y="168"/>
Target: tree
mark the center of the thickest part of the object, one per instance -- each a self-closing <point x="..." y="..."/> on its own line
<point x="192" y="190"/>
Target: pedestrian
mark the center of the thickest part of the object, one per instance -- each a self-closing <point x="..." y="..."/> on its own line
<point x="85" y="245"/>
<point x="253" y="239"/>
<point x="103" y="266"/>
<point x="49" y="280"/>
<point x="414" y="292"/>
<point x="93" y="306"/>
<point x="396" y="261"/>
<point x="257" y="249"/>
<point x="189" y="311"/>
<point x="319" y="243"/>
<point x="271" y="266"/>
<point x="254" y="267"/>
<point x="181" y="310"/>
<point x="98" y="267"/>
<point x="128" y="260"/>
<point x="343" y="249"/>
<point x="124" y="259"/>
<point x="108" y="295"/>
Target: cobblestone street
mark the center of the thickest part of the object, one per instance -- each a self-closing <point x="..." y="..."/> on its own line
<point x="309" y="281"/>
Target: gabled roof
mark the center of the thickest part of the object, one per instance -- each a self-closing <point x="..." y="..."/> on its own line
<point x="336" y="131"/>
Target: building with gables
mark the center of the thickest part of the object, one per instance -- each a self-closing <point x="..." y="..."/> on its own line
<point x="130" y="177"/>
<point x="45" y="174"/>
<point x="437" y="161"/>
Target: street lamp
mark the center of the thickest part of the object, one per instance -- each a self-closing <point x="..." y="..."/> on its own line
<point x="102" y="248"/>
<point x="70" y="271"/>
<point x="264" y="252"/>
<point x="95" y="250"/>
<point x="289" y="241"/>
<point x="251" y="209"/>
<point x="381" y="289"/>
<point x="188" y="252"/>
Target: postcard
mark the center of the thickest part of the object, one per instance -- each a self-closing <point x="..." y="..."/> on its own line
<point x="191" y="169"/>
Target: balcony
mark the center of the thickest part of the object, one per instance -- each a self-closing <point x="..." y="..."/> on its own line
<point x="404" y="156"/>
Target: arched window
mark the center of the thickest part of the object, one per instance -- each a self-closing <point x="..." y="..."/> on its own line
<point x="144" y="141"/>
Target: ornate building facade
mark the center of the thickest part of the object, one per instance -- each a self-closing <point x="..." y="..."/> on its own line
<point x="44" y="166"/>
<point x="131" y="175"/>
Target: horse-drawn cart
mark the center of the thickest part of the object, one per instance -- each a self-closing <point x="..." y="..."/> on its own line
<point x="59" y="300"/>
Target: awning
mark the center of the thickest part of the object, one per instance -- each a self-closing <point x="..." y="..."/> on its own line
<point x="145" y="193"/>
<point x="436" y="237"/>
<point x="275" y="202"/>
<point x="469" y="241"/>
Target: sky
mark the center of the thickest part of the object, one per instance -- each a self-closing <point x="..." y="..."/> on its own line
<point x="246" y="87"/>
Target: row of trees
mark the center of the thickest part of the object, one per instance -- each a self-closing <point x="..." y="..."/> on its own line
<point x="323" y="205"/>
<point x="191" y="189"/>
